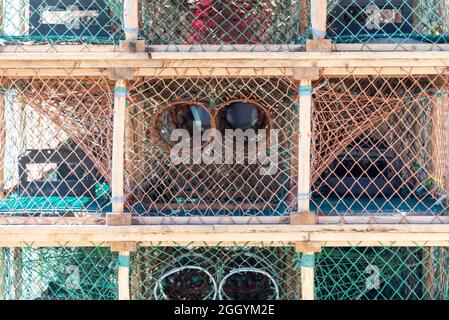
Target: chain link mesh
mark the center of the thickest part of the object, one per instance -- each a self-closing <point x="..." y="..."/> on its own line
<point x="155" y="185"/>
<point x="397" y="22"/>
<point x="204" y="273"/>
<point x="56" y="146"/>
<point x="381" y="146"/>
<point x="219" y="25"/>
<point x="58" y="273"/>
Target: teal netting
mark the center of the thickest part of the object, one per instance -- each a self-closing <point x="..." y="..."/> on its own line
<point x="382" y="273"/>
<point x="58" y="274"/>
<point x="397" y="22"/>
<point x="203" y="273"/>
<point x="29" y="22"/>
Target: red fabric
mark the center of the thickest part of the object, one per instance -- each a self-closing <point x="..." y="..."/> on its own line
<point x="230" y="21"/>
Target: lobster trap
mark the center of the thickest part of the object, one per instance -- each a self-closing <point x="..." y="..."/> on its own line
<point x="56" y="147"/>
<point x="225" y="24"/>
<point x="60" y="22"/>
<point x="209" y="177"/>
<point x="380" y="146"/>
<point x="225" y="273"/>
<point x="382" y="273"/>
<point x="403" y="24"/>
<point x="58" y="273"/>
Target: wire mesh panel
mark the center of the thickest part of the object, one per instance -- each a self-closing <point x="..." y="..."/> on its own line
<point x="223" y="24"/>
<point x="382" y="273"/>
<point x="58" y="273"/>
<point x="60" y="22"/>
<point x="205" y="273"/>
<point x="398" y="22"/>
<point x="381" y="146"/>
<point x="235" y="154"/>
<point x="55" y="146"/>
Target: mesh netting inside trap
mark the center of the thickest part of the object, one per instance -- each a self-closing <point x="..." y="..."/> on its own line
<point x="211" y="178"/>
<point x="381" y="145"/>
<point x="382" y="273"/>
<point x="58" y="273"/>
<point x="24" y="23"/>
<point x="205" y="273"/>
<point x="223" y="24"/>
<point x="402" y="24"/>
<point x="56" y="146"/>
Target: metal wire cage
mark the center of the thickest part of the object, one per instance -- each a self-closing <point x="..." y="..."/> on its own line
<point x="382" y="273"/>
<point x="403" y="24"/>
<point x="179" y="25"/>
<point x="222" y="181"/>
<point x="56" y="147"/>
<point x="25" y="23"/>
<point x="380" y="146"/>
<point x="58" y="273"/>
<point x="204" y="273"/>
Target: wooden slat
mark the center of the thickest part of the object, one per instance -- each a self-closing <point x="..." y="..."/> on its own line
<point x="318" y="18"/>
<point x="239" y="234"/>
<point x="118" y="150"/>
<point x="304" y="150"/>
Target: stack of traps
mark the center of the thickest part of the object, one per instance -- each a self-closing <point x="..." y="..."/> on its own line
<point x="208" y="272"/>
<point x="379" y="146"/>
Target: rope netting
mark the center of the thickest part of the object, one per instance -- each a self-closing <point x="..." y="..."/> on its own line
<point x="56" y="140"/>
<point x="263" y="272"/>
<point x="382" y="273"/>
<point x="212" y="178"/>
<point x="58" y="273"/>
<point x="381" y="146"/>
<point x="397" y="22"/>
<point x="220" y="24"/>
<point x="56" y="22"/>
<point x="205" y="273"/>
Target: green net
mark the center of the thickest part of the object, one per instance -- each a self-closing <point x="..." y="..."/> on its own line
<point x="398" y="22"/>
<point x="30" y="22"/>
<point x="201" y="273"/>
<point x="186" y="272"/>
<point x="58" y="274"/>
<point x="382" y="273"/>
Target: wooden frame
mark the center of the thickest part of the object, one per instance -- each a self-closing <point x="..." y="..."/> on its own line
<point x="99" y="220"/>
<point x="222" y="235"/>
<point x="225" y="64"/>
<point x="115" y="230"/>
<point x="317" y="22"/>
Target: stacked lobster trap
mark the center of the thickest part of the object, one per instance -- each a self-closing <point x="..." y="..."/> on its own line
<point x="382" y="273"/>
<point x="223" y="25"/>
<point x="58" y="273"/>
<point x="208" y="176"/>
<point x="209" y="146"/>
<point x="403" y="24"/>
<point x="225" y="273"/>
<point x="381" y="146"/>
<point x="27" y="23"/>
<point x="228" y="272"/>
<point x="56" y="147"/>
